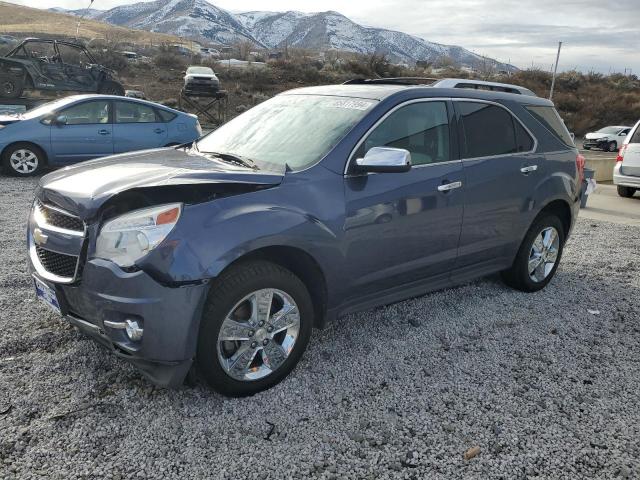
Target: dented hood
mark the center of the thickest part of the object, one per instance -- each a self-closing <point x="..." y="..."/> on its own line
<point x="85" y="187"/>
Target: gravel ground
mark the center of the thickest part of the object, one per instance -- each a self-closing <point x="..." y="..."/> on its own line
<point x="544" y="388"/>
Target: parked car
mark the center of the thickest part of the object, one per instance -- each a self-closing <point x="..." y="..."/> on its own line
<point x="85" y="127"/>
<point x="53" y="65"/>
<point x="626" y="172"/>
<point x="609" y="139"/>
<point x="316" y="203"/>
<point x="201" y="81"/>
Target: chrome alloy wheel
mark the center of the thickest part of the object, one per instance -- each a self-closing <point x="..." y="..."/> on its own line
<point x="258" y="334"/>
<point x="24" y="161"/>
<point x="544" y="254"/>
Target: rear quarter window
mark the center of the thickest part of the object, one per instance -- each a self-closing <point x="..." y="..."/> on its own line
<point x="166" y="116"/>
<point x="549" y="117"/>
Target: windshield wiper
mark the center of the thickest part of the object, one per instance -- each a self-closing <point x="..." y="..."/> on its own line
<point x="233" y="158"/>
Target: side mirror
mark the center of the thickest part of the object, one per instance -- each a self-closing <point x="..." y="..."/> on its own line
<point x="573" y="136"/>
<point x="60" y="120"/>
<point x="385" y="160"/>
<point x="623" y="134"/>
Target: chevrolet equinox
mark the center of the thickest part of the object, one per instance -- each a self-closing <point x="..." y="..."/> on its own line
<point x="223" y="254"/>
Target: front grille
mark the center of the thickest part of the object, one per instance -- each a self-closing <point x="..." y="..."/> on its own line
<point x="57" y="263"/>
<point x="56" y="218"/>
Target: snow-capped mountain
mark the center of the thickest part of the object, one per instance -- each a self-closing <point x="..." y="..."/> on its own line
<point x="201" y="20"/>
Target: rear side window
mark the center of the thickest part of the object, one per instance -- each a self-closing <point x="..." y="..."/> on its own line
<point x="166" y="116"/>
<point x="550" y="119"/>
<point x="636" y="136"/>
<point x="490" y="130"/>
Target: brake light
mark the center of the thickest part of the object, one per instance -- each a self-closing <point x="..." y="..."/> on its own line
<point x="580" y="162"/>
<point x="620" y="156"/>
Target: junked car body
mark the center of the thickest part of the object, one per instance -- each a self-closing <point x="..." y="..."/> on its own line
<point x="54" y="65"/>
<point x="609" y="139"/>
<point x="319" y="202"/>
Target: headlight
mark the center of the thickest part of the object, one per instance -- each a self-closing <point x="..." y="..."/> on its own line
<point x="129" y="237"/>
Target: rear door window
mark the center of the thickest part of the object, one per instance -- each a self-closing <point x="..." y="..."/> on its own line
<point x="130" y="112"/>
<point x="489" y="130"/>
<point x="636" y="136"/>
<point x="552" y="121"/>
<point x="524" y="142"/>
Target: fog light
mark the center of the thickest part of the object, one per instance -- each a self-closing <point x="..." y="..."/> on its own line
<point x="134" y="332"/>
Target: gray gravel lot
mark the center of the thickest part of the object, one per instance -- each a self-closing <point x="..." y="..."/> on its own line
<point x="544" y="388"/>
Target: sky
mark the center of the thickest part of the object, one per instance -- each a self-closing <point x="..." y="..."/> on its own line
<point x="599" y="35"/>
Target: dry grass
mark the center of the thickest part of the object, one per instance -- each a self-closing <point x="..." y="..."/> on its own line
<point x="22" y="21"/>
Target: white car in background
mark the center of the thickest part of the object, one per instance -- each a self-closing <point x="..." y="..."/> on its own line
<point x="626" y="173"/>
<point x="201" y="81"/>
<point x="609" y="139"/>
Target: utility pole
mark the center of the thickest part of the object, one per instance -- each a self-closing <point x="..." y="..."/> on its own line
<point x="555" y="72"/>
<point x="82" y="18"/>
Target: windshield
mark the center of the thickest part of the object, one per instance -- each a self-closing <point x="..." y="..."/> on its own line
<point x="200" y="70"/>
<point x="296" y="130"/>
<point x="609" y="130"/>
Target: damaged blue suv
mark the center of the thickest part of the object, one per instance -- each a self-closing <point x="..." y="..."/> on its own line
<point x="222" y="255"/>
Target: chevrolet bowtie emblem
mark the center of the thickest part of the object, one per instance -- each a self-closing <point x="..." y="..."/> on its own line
<point x="39" y="237"/>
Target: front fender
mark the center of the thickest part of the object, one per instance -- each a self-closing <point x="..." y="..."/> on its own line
<point x="211" y="236"/>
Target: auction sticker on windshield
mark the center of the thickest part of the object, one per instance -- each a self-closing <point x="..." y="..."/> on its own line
<point x="351" y="104"/>
<point x="46" y="294"/>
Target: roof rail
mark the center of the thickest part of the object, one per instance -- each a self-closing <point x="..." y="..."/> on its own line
<point x="482" y="85"/>
<point x="391" y="81"/>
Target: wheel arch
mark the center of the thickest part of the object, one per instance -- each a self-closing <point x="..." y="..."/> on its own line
<point x="301" y="264"/>
<point x="562" y="210"/>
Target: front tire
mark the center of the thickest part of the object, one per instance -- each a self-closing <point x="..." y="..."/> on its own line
<point x="539" y="255"/>
<point x="626" y="192"/>
<point x="256" y="325"/>
<point x="612" y="147"/>
<point x="23" y="160"/>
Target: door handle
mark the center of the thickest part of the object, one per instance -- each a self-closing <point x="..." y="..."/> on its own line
<point x="449" y="186"/>
<point x="529" y="169"/>
<point x="159" y="130"/>
<point x="103" y="132"/>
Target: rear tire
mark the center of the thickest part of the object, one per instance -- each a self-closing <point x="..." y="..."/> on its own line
<point x="23" y="160"/>
<point x="11" y="87"/>
<point x="248" y="331"/>
<point x="626" y="192"/>
<point x="110" y="87"/>
<point x="534" y="252"/>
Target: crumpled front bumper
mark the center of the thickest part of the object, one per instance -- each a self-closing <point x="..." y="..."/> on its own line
<point x="169" y="315"/>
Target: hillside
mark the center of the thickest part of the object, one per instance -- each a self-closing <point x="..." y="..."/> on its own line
<point x="19" y="20"/>
<point x="201" y="20"/>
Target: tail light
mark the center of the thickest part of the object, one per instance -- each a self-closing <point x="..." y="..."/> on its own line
<point x="580" y="161"/>
<point x="620" y="156"/>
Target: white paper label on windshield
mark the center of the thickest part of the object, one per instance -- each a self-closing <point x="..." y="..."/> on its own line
<point x="351" y="104"/>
